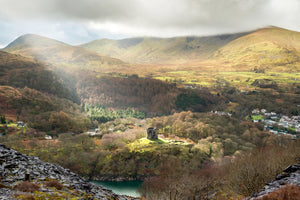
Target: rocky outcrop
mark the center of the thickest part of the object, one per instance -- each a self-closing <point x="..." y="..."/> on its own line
<point x="291" y="175"/>
<point x="16" y="167"/>
<point x="265" y="83"/>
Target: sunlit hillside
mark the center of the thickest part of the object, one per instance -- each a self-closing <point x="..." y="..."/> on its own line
<point x="33" y="92"/>
<point x="238" y="59"/>
<point x="56" y="52"/>
<point x="161" y="50"/>
<point x="269" y="48"/>
<point x="273" y="49"/>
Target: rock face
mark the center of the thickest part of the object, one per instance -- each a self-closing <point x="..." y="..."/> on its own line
<point x="14" y="167"/>
<point x="265" y="83"/>
<point x="291" y="175"/>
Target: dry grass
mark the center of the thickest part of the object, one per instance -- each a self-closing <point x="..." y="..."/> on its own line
<point x="54" y="183"/>
<point x="27" y="187"/>
<point x="27" y="197"/>
<point x="288" y="192"/>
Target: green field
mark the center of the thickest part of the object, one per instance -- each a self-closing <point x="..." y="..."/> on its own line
<point x="235" y="79"/>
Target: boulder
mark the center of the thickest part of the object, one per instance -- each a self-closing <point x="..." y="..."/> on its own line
<point x="290" y="176"/>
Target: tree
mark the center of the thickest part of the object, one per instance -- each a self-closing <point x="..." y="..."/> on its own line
<point x="60" y="121"/>
<point x="2" y="119"/>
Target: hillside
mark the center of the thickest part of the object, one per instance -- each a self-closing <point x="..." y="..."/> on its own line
<point x="48" y="97"/>
<point x="238" y="60"/>
<point x="149" y="95"/>
<point x="269" y="48"/>
<point x="32" y="92"/>
<point x="161" y="50"/>
<point x="56" y="52"/>
<point x="286" y="184"/>
<point x="46" y="181"/>
<point x="19" y="71"/>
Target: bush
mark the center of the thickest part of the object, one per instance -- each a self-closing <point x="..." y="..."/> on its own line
<point x="27" y="187"/>
<point x="26" y="197"/>
<point x="288" y="192"/>
<point x="248" y="173"/>
<point x="54" y="183"/>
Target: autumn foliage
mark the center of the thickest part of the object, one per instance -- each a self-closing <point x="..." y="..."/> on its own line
<point x="54" y="183"/>
<point x="288" y="192"/>
<point x="231" y="178"/>
<point x="150" y="95"/>
<point x="27" y="187"/>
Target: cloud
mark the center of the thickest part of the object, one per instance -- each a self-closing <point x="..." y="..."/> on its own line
<point x="89" y="19"/>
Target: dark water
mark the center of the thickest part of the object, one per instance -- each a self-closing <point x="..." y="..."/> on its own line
<point x="123" y="188"/>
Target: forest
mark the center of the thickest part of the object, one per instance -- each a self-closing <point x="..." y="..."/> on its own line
<point x="102" y="114"/>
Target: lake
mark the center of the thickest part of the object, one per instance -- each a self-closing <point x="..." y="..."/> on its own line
<point x="123" y="188"/>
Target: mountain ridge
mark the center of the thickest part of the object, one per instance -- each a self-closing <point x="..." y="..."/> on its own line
<point x="155" y="49"/>
<point x="56" y="52"/>
<point x="267" y="47"/>
<point x="262" y="47"/>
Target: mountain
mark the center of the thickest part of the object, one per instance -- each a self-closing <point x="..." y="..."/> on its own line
<point x="160" y="50"/>
<point x="267" y="48"/>
<point x="56" y="52"/>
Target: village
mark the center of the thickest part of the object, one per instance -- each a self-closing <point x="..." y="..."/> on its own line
<point x="277" y="123"/>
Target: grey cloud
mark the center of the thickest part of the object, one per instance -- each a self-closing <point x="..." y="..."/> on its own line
<point x="68" y="9"/>
<point x="150" y="17"/>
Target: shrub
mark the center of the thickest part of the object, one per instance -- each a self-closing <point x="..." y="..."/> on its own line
<point x="54" y="183"/>
<point x="26" y="197"/>
<point x="288" y="192"/>
<point x="248" y="173"/>
<point x="27" y="187"/>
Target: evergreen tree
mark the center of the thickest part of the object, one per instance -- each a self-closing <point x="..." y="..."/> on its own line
<point x="2" y="119"/>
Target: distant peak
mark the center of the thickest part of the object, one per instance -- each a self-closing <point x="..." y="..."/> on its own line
<point x="33" y="40"/>
<point x="268" y="28"/>
<point x="275" y="27"/>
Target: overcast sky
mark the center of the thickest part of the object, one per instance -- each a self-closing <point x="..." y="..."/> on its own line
<point x="80" y="21"/>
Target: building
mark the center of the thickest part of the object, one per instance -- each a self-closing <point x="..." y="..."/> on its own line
<point x="152" y="133"/>
<point x="20" y="124"/>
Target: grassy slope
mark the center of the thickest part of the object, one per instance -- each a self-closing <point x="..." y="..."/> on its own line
<point x="232" y="58"/>
<point x="267" y="48"/>
<point x="160" y="50"/>
<point x="52" y="51"/>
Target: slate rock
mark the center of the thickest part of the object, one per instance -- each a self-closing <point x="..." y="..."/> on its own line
<point x="14" y="166"/>
<point x="290" y="175"/>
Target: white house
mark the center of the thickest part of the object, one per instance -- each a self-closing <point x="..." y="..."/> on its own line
<point x="20" y="124"/>
<point x="263" y="111"/>
<point x="255" y="111"/>
<point x="48" y="137"/>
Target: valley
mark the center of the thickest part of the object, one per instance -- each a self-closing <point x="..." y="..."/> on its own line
<point x="88" y="107"/>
